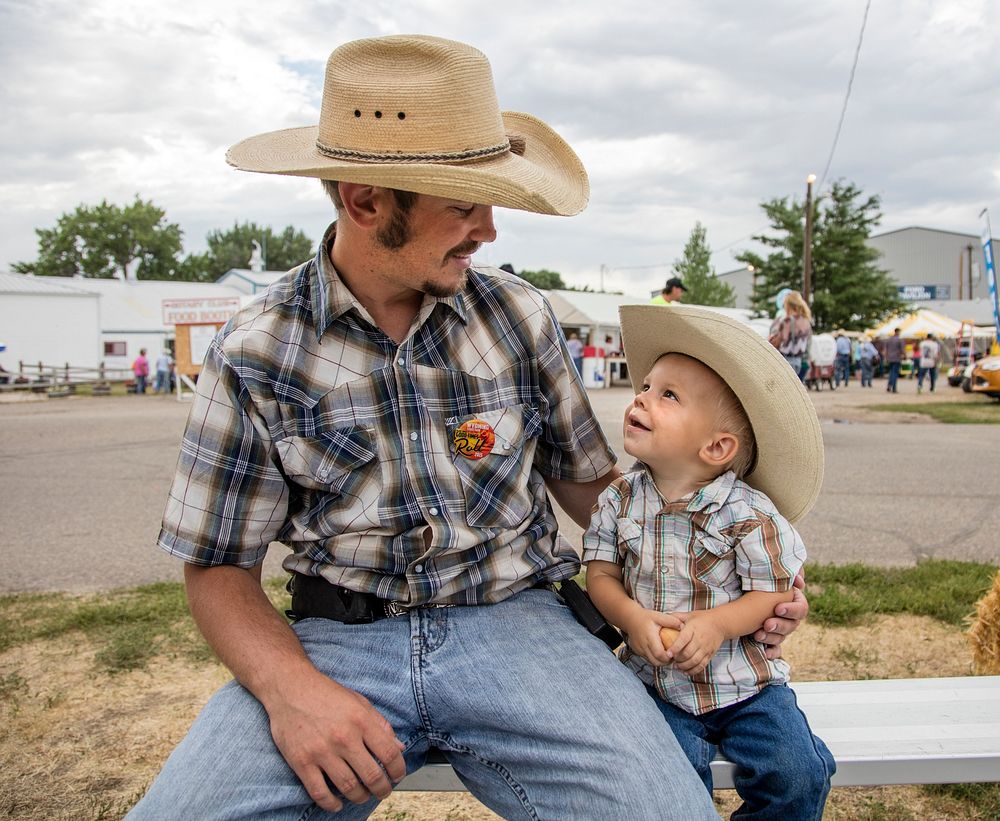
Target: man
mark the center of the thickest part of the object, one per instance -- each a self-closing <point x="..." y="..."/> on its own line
<point x="930" y="358"/>
<point x="894" y="349"/>
<point x="842" y="361"/>
<point x="400" y="418"/>
<point x="164" y="364"/>
<point x="672" y="292"/>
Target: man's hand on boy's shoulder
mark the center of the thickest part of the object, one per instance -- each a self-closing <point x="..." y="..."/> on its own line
<point x="786" y="620"/>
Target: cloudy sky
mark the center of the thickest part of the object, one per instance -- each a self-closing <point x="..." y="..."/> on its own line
<point x="681" y="111"/>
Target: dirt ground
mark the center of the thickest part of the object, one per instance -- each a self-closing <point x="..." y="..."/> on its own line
<point x="80" y="744"/>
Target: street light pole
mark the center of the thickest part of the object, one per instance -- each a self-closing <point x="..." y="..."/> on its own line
<point x="807" y="243"/>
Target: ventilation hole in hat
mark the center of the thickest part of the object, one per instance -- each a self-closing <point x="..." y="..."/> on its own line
<point x="517" y="144"/>
<point x="357" y="113"/>
<point x="402" y="115"/>
<point x="378" y="115"/>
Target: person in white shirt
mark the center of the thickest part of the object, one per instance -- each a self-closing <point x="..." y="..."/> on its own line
<point x="930" y="356"/>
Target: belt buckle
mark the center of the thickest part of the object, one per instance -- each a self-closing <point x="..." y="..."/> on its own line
<point x="393" y="609"/>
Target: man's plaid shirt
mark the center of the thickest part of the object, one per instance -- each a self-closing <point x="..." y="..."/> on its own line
<point x="311" y="427"/>
<point x="694" y="554"/>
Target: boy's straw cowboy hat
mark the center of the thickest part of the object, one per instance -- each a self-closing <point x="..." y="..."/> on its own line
<point x="789" y="466"/>
<point x="420" y="114"/>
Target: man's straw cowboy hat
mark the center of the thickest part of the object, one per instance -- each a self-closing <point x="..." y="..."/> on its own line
<point x="420" y="114"/>
<point x="789" y="466"/>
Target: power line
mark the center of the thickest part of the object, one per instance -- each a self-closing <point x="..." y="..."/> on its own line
<point x="847" y="96"/>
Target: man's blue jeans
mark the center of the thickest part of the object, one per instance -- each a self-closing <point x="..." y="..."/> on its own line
<point x="842" y="369"/>
<point x="783" y="771"/>
<point x="538" y="718"/>
<point x="930" y="373"/>
<point x="893" y="376"/>
<point x="867" y="370"/>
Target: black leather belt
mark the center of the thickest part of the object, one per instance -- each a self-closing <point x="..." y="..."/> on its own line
<point x="314" y="597"/>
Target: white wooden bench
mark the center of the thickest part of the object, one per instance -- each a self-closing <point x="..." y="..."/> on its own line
<point x="895" y="731"/>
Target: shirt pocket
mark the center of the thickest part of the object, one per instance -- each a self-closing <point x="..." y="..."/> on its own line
<point x="337" y="464"/>
<point x="715" y="563"/>
<point x="636" y="568"/>
<point x="492" y="454"/>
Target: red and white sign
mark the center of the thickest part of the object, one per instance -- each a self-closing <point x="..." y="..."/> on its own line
<point x="205" y="311"/>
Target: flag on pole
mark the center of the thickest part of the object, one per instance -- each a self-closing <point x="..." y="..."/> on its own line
<point x="991" y="273"/>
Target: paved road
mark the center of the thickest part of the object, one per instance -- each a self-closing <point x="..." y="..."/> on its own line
<point x="83" y="482"/>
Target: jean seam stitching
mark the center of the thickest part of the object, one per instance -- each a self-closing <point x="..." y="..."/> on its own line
<point x="447" y="745"/>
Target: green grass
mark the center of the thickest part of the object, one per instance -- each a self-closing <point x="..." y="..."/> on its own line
<point x="982" y="799"/>
<point x="944" y="590"/>
<point x="985" y="412"/>
<point x="127" y="627"/>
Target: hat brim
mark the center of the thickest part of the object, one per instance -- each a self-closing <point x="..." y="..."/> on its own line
<point x="790" y="460"/>
<point x="547" y="178"/>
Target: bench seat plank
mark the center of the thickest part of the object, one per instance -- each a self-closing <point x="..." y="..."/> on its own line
<point x="895" y="731"/>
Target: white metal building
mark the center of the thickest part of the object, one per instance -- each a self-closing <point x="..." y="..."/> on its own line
<point x="48" y="320"/>
<point x="942" y="270"/>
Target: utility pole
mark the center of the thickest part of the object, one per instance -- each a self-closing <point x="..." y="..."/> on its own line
<point x="807" y="243"/>
<point x="968" y="249"/>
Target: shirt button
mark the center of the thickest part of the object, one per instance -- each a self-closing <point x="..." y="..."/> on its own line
<point x="419" y="568"/>
<point x="324" y="475"/>
<point x="413" y="436"/>
<point x="433" y="511"/>
<point x="401" y="362"/>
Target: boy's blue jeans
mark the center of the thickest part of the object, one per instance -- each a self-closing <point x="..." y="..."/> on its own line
<point x="538" y="718"/>
<point x="783" y="771"/>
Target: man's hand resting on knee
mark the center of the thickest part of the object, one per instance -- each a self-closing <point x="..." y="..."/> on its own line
<point x="787" y="617"/>
<point x="323" y="728"/>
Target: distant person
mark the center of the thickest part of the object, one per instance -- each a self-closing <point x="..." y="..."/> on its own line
<point x="792" y="332"/>
<point x="867" y="357"/>
<point x="672" y="292"/>
<point x="842" y="362"/>
<point x="691" y="541"/>
<point x="894" y="349"/>
<point x="575" y="347"/>
<point x="929" y="357"/>
<point x="140" y="368"/>
<point x="164" y="366"/>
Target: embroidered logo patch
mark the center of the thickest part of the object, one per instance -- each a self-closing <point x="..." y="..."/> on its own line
<point x="474" y="439"/>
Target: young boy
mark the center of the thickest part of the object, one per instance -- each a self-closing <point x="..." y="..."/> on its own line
<point x="692" y="540"/>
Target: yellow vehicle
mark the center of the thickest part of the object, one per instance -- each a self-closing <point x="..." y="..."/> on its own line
<point x="985" y="377"/>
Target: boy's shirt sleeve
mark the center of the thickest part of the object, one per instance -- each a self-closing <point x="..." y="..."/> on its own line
<point x="600" y="542"/>
<point x="769" y="556"/>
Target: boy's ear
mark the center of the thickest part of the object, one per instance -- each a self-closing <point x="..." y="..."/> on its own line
<point x="720" y="449"/>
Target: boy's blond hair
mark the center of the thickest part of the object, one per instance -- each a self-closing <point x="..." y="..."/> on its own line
<point x="732" y="418"/>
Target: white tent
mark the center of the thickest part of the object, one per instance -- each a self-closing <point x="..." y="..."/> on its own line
<point x="918" y="324"/>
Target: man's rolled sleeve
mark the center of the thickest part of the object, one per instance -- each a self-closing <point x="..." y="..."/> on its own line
<point x="228" y="499"/>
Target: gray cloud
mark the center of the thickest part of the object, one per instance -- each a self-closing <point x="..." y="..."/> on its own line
<point x="681" y="111"/>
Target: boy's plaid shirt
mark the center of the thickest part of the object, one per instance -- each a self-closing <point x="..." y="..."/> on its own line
<point x="694" y="554"/>
<point x="312" y="427"/>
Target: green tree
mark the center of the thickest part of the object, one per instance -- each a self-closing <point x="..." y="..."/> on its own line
<point x="849" y="290"/>
<point x="232" y="248"/>
<point x="544" y="279"/>
<point x="694" y="267"/>
<point x="103" y="241"/>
